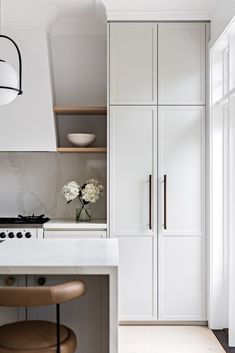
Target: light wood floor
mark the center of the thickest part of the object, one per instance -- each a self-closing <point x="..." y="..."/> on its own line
<point x="168" y="339"/>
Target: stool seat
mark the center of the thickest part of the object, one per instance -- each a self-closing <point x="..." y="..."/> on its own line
<point x="35" y="336"/>
<point x="39" y="336"/>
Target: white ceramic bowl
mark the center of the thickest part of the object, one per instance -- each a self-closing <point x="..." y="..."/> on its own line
<point x="81" y="140"/>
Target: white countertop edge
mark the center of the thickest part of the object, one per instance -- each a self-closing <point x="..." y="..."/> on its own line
<point x="70" y="270"/>
<point x="73" y="255"/>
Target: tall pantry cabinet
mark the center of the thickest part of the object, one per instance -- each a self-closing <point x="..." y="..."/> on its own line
<point x="157" y="168"/>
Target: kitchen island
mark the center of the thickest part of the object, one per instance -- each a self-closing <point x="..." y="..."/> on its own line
<point x="91" y="258"/>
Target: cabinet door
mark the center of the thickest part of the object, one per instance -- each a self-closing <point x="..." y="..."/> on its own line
<point x="8" y="314"/>
<point x="87" y="316"/>
<point x="181" y="64"/>
<point x="136" y="287"/>
<point x="133" y="63"/>
<point x="181" y="212"/>
<point x="181" y="159"/>
<point x="182" y="278"/>
<point x="131" y="164"/>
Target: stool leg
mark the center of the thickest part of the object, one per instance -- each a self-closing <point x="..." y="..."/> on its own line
<point x="58" y="326"/>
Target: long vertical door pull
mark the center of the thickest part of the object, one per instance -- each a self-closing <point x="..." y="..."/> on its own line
<point x="150" y="201"/>
<point x="165" y="201"/>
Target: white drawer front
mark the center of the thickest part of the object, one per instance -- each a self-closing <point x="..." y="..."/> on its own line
<point x="75" y="234"/>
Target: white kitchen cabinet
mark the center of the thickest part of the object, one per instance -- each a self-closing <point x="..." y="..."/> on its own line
<point x="69" y="228"/>
<point x="181" y="63"/>
<point x="86" y="316"/>
<point x="162" y="138"/>
<point x="181" y="278"/>
<point x="132" y="170"/>
<point x="136" y="284"/>
<point x="75" y="234"/>
<point x="181" y="160"/>
<point x="11" y="314"/>
<point x="181" y="213"/>
<point x="231" y="69"/>
<point x="133" y="63"/>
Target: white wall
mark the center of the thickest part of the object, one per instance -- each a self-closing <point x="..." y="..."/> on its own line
<point x="79" y="65"/>
<point x="221" y="16"/>
<point x="222" y="246"/>
<point x="78" y="48"/>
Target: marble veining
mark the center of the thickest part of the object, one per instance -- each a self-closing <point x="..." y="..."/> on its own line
<point x="31" y="182"/>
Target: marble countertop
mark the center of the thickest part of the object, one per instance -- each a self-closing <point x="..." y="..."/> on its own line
<point x="66" y="224"/>
<point x="51" y="253"/>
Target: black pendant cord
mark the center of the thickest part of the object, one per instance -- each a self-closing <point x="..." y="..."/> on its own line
<point x="20" y="66"/>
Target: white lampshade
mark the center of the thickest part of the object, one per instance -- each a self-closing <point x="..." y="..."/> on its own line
<point x="8" y="78"/>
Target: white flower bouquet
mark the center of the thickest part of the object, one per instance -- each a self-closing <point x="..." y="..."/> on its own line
<point x="90" y="192"/>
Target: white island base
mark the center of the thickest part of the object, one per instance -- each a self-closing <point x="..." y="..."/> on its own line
<point x="93" y="317"/>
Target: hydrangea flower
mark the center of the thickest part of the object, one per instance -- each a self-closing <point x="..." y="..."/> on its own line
<point x="90" y="192"/>
<point x="71" y="190"/>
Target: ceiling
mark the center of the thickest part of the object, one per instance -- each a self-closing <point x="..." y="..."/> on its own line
<point x="41" y="10"/>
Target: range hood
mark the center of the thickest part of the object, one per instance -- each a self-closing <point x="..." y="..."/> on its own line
<point x="27" y="124"/>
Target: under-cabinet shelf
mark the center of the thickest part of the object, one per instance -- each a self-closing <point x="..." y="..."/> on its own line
<point x="59" y="110"/>
<point x="82" y="149"/>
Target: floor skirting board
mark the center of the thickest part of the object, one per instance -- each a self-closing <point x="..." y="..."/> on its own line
<point x="163" y="323"/>
<point x="222" y="336"/>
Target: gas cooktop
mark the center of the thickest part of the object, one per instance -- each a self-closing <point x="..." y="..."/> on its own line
<point x="24" y="220"/>
<point x="22" y="227"/>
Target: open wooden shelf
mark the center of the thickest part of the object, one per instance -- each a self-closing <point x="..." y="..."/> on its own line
<point x="82" y="149"/>
<point x="59" y="110"/>
<point x="68" y="110"/>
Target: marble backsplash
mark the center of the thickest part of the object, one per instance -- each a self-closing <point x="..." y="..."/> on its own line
<point x="31" y="182"/>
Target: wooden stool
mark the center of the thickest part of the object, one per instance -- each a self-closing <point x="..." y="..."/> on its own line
<point x="39" y="336"/>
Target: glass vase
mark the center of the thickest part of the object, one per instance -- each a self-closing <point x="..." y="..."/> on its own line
<point x="83" y="213"/>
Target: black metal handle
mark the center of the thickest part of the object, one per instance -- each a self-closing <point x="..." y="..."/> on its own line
<point x="165" y="201"/>
<point x="150" y="201"/>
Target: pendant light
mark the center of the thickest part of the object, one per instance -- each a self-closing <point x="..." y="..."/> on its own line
<point x="10" y="80"/>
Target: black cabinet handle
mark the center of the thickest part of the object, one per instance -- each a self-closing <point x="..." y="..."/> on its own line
<point x="165" y="201"/>
<point x="150" y="201"/>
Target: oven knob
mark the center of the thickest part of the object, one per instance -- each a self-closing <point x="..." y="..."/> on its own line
<point x="10" y="281"/>
<point x="41" y="281"/>
<point x="28" y="235"/>
<point x="2" y="235"/>
<point x="11" y="235"/>
<point x="19" y="235"/>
